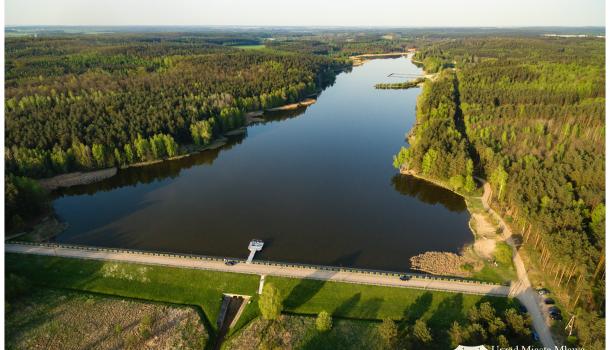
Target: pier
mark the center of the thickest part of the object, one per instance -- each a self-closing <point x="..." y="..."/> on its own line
<point x="255" y="245"/>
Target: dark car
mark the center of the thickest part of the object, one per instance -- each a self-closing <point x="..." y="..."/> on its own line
<point x="522" y="309"/>
<point x="535" y="336"/>
<point x="230" y="262"/>
<point x="543" y="291"/>
<point x="556" y="316"/>
<point x="549" y="301"/>
<point x="554" y="310"/>
<point x="405" y="278"/>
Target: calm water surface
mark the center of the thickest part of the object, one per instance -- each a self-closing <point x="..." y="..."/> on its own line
<point x="316" y="184"/>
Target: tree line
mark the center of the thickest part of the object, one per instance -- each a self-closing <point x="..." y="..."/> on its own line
<point x="86" y="105"/>
<point x="532" y="113"/>
<point x="81" y="102"/>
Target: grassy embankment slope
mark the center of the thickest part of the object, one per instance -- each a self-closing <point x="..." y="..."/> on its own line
<point x="204" y="290"/>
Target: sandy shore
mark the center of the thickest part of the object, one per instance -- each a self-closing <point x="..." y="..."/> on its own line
<point x="359" y="60"/>
<point x="76" y="178"/>
<point x="288" y="107"/>
<point x="483" y="247"/>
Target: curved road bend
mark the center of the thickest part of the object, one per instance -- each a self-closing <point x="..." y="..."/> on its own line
<point x="260" y="269"/>
<point x="522" y="290"/>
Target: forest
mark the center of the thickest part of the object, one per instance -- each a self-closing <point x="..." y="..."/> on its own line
<point x="83" y="102"/>
<point x="527" y="114"/>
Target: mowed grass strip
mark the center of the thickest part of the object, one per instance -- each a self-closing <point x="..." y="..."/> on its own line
<point x="149" y="282"/>
<point x="205" y="288"/>
<point x="357" y="301"/>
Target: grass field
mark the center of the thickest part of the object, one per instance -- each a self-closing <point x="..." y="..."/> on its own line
<point x="299" y="332"/>
<point x="357" y="301"/>
<point x="250" y="47"/>
<point x="158" y="283"/>
<point x="62" y="319"/>
<point x="204" y="289"/>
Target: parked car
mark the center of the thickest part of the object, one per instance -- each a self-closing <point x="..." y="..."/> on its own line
<point x="230" y="262"/>
<point x="405" y="278"/>
<point x="535" y="336"/>
<point x="549" y="301"/>
<point x="543" y="291"/>
<point x="556" y="316"/>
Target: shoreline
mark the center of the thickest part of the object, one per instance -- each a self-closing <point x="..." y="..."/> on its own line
<point x="77" y="178"/>
<point x="481" y="248"/>
<point x="359" y="60"/>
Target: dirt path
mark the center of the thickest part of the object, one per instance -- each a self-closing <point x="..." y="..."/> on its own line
<point x="293" y="271"/>
<point x="523" y="288"/>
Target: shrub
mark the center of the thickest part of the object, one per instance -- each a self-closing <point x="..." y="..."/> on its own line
<point x="324" y="322"/>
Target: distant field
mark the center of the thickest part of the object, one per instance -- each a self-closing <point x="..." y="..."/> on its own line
<point x="250" y="47"/>
<point x="60" y="319"/>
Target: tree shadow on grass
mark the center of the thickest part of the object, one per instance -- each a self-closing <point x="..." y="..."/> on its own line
<point x="418" y="308"/>
<point x="302" y="293"/>
<point x="308" y="288"/>
<point x="369" y="309"/>
<point x="348" y="305"/>
<point x="449" y="310"/>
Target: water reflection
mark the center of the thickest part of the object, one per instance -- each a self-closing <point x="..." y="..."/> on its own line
<point x="427" y="192"/>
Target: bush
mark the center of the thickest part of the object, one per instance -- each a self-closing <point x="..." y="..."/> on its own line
<point x="388" y="331"/>
<point x="422" y="332"/>
<point x="324" y="322"/>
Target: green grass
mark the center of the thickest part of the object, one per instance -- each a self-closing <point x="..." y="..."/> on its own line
<point x="204" y="289"/>
<point x="302" y="334"/>
<point x="504" y="271"/>
<point x="250" y="47"/>
<point x="158" y="283"/>
<point x="368" y="302"/>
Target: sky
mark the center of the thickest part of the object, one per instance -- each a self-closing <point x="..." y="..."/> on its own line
<point x="403" y="13"/>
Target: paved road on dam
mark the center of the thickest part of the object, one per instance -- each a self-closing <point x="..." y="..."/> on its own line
<point x="264" y="269"/>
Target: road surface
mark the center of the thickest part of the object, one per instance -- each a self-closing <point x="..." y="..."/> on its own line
<point x="262" y="269"/>
<point x="522" y="290"/>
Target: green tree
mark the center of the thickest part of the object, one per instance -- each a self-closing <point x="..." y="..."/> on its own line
<point x="496" y="326"/>
<point x="517" y="323"/>
<point x="487" y="312"/>
<point x="503" y="342"/>
<point x="421" y="331"/>
<point x="128" y="153"/>
<point x="428" y="161"/>
<point x="388" y="331"/>
<point x="99" y="155"/>
<point x="498" y="179"/>
<point x="270" y="302"/>
<point x="456" y="182"/>
<point x="456" y="336"/>
<point x="598" y="220"/>
<point x="324" y="322"/>
<point x="118" y="157"/>
<point x="171" y="147"/>
<point x="401" y="158"/>
<point x="469" y="184"/>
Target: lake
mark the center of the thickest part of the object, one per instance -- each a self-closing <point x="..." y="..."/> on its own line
<point x="316" y="184"/>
